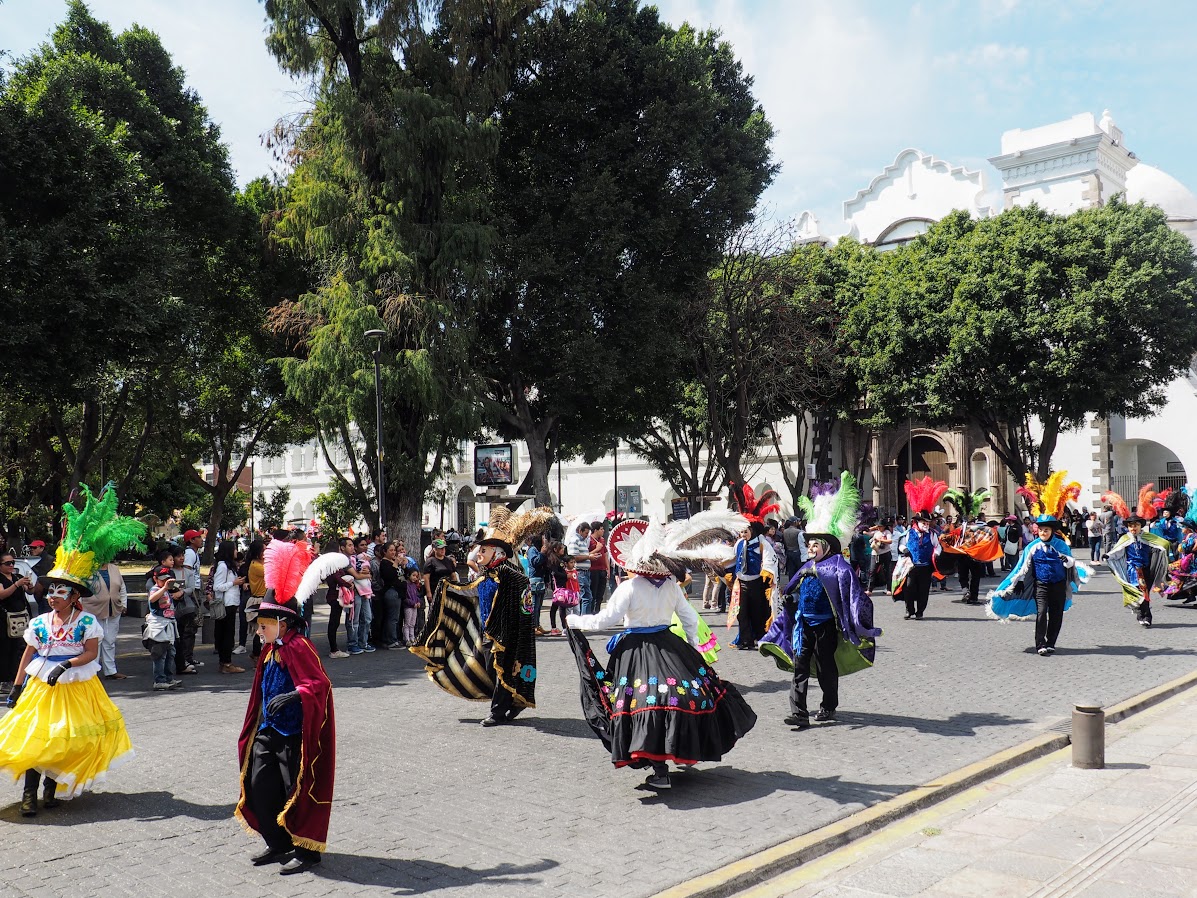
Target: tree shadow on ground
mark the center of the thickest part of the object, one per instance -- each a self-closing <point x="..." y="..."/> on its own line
<point x="100" y="807"/>
<point x="1138" y="651"/>
<point x="965" y="723"/>
<point x="702" y="788"/>
<point x="418" y="877"/>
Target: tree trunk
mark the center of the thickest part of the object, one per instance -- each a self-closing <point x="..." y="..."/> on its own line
<point x="538" y="468"/>
<point x="405" y="515"/>
<point x="218" y="492"/>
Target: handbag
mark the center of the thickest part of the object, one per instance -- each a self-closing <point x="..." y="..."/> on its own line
<point x="17" y="622"/>
<point x="219" y="609"/>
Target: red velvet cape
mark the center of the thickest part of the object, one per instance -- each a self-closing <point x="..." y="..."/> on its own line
<point x="305" y="815"/>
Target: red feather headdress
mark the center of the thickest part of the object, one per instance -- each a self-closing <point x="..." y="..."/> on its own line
<point x="1147" y="510"/>
<point x="750" y="506"/>
<point x="924" y="494"/>
<point x="284" y="564"/>
<point x="1117" y="503"/>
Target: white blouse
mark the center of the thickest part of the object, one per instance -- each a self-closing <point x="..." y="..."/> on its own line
<point x="54" y="646"/>
<point x="224" y="587"/>
<point x="641" y="602"/>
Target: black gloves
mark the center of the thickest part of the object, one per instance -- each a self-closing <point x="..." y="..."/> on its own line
<point x="58" y="671"/>
<point x="276" y="704"/>
<point x="17" y="689"/>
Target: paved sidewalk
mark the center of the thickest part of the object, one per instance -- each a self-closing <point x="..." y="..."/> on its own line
<point x="1045" y="829"/>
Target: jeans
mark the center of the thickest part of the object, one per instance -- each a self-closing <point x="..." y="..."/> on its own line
<point x="363" y="618"/>
<point x="108" y="645"/>
<point x="536" y="584"/>
<point x="598" y="587"/>
<point x="185" y="643"/>
<point x="1095" y="548"/>
<point x="352" y="616"/>
<point x="163" y="654"/>
<point x="587" y="603"/>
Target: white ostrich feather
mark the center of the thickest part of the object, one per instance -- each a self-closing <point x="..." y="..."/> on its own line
<point x="704" y="527"/>
<point x="318" y="570"/>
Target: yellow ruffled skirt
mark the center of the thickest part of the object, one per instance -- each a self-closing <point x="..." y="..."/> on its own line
<point x="71" y="732"/>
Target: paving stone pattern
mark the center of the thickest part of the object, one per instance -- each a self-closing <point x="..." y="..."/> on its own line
<point x="429" y="802"/>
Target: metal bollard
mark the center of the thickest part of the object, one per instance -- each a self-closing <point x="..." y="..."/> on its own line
<point x="1088" y="736"/>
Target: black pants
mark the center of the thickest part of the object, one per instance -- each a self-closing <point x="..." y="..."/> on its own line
<point x="1049" y="612"/>
<point x="501" y="704"/>
<point x="1143" y="612"/>
<point x="223" y="631"/>
<point x="818" y="641"/>
<point x="334" y="617"/>
<point x="917" y="589"/>
<point x="33" y="779"/>
<point x="273" y="770"/>
<point x="185" y="641"/>
<point x="754" y="612"/>
<point x="883" y="571"/>
<point x="976" y="571"/>
<point x="242" y="623"/>
<point x="598" y="588"/>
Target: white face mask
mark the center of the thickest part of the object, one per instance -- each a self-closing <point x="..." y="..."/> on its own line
<point x="922" y="526"/>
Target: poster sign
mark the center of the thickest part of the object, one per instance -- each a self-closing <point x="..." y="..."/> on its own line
<point x="681" y="509"/>
<point x="494" y="465"/>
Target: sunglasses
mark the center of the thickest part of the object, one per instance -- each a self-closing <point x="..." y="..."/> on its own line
<point x="7" y="563"/>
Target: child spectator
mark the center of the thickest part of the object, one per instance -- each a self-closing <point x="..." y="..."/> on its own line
<point x="411" y="605"/>
<point x="566" y="594"/>
<point x="161" y="629"/>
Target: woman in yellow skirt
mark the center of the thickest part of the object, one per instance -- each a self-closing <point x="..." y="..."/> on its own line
<point x="62" y="724"/>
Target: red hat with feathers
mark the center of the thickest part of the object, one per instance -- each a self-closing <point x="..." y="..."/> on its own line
<point x="924" y="494"/>
<point x="747" y="503"/>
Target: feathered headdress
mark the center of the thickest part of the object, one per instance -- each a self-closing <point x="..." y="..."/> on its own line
<point x="747" y="503"/>
<point x="1116" y="502"/>
<point x="651" y="549"/>
<point x="316" y="573"/>
<point x="284" y="564"/>
<point x="966" y="502"/>
<point x="924" y="494"/>
<point x="833" y="514"/>
<point x="1056" y="494"/>
<point x="869" y="515"/>
<point x="1147" y="510"/>
<point x="92" y="537"/>
<point x="1190" y="494"/>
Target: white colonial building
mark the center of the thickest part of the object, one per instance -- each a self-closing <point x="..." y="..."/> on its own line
<point x="1063" y="167"/>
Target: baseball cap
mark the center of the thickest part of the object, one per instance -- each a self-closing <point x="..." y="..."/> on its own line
<point x="190" y="535"/>
<point x="438" y="544"/>
<point x="36" y="543"/>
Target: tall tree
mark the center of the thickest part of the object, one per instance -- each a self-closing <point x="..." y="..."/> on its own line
<point x="388" y="193"/>
<point x="628" y="151"/>
<point x="999" y="322"/>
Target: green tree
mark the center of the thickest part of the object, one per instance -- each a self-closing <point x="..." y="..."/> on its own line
<point x="999" y="323"/>
<point x="388" y="195"/>
<point x="336" y="510"/>
<point x="628" y="152"/>
<point x="272" y="512"/>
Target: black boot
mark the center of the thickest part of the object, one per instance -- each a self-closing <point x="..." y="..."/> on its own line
<point x="29" y="803"/>
<point x="48" y="799"/>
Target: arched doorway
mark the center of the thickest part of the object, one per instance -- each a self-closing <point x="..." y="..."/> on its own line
<point x="1137" y="462"/>
<point x="930" y="459"/>
<point x="465" y="511"/>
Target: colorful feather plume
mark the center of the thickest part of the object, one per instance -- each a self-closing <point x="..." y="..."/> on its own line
<point x="1031" y="498"/>
<point x="966" y="502"/>
<point x="924" y="494"/>
<point x="323" y="567"/>
<point x="1116" y="502"/>
<point x="1161" y="500"/>
<point x="1190" y="494"/>
<point x="284" y="563"/>
<point x="1178" y="503"/>
<point x="835" y="513"/>
<point x="98" y="528"/>
<point x="1146" y="507"/>
<point x="1055" y="494"/>
<point x="824" y="488"/>
<point x="749" y="505"/>
<point x="869" y="515"/>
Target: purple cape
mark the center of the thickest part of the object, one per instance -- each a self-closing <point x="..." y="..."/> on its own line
<point x="853" y="612"/>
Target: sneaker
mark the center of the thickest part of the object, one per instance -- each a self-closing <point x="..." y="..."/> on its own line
<point x="195" y="663"/>
<point x="338" y="655"/>
<point x="1145" y="623"/>
<point x="1043" y="651"/>
<point x="1051" y="649"/>
<point x="239" y="650"/>
<point x="825" y="716"/>
<point x="161" y="687"/>
<point x="174" y="684"/>
<point x="658" y="781"/>
<point x="189" y="669"/>
<point x="907" y="617"/>
<point x="356" y="650"/>
<point x="396" y="645"/>
<point x="369" y="648"/>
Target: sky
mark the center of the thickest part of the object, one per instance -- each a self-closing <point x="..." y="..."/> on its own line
<point x="847" y="84"/>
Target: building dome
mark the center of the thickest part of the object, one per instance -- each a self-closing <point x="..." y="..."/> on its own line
<point x="1157" y="188"/>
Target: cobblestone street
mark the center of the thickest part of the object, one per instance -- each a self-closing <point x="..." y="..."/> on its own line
<point x="429" y="802"/>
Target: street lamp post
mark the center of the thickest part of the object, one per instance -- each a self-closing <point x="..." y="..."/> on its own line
<point x="382" y="489"/>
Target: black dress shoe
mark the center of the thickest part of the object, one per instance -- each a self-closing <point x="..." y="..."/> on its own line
<point x="824" y="715"/>
<point x="298" y="864"/>
<point x="272" y="856"/>
<point x="795" y="721"/>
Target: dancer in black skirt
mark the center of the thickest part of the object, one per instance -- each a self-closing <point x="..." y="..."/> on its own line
<point x="658" y="700"/>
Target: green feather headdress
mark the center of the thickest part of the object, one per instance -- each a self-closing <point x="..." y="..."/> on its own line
<point x="967" y="503"/>
<point x="834" y="513"/>
<point x="92" y="537"/>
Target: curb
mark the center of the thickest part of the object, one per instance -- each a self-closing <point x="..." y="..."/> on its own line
<point x="763" y="865"/>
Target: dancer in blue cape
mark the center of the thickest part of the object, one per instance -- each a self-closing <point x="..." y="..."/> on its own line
<point x="826" y="624"/>
<point x="1041" y="584"/>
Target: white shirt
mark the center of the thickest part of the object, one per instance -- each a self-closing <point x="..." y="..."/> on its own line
<point x="637" y="602"/>
<point x="224" y="586"/>
<point x="191" y="564"/>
